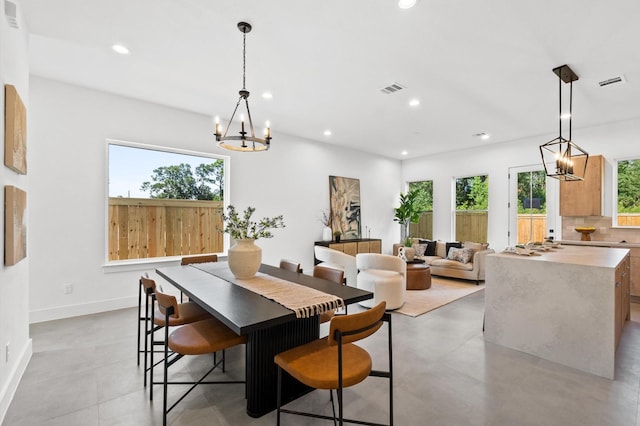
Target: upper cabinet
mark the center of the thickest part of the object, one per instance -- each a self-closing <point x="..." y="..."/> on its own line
<point x="584" y="198"/>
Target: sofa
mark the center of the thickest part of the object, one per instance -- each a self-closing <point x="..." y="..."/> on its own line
<point x="467" y="261"/>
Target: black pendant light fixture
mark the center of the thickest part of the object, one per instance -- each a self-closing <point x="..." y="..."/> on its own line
<point x="562" y="158"/>
<point x="246" y="141"/>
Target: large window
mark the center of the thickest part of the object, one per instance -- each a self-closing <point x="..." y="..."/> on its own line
<point x="628" y="193"/>
<point x="471" y="216"/>
<point x="424" y="227"/>
<point x="164" y="203"/>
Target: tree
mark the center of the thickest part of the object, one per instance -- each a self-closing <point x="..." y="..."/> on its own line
<point x="472" y="193"/>
<point x="424" y="197"/>
<point x="532" y="185"/>
<point x="629" y="186"/>
<point x="179" y="182"/>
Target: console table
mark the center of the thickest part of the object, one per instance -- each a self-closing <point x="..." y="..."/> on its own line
<point x="353" y="247"/>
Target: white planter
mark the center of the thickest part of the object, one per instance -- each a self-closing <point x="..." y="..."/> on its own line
<point x="244" y="258"/>
<point x="327" y="235"/>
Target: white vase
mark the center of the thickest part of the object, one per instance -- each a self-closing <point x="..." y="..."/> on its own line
<point x="244" y="258"/>
<point x="327" y="234"/>
<point x="410" y="253"/>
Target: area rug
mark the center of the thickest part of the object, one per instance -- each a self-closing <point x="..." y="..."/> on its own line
<point x="443" y="291"/>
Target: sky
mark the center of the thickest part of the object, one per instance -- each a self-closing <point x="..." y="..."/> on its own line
<point x="130" y="166"/>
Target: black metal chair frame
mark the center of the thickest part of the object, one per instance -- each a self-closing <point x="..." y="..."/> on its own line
<point x="374" y="373"/>
<point x="171" y="358"/>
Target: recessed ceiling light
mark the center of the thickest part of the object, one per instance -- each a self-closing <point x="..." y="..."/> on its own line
<point x="482" y="135"/>
<point x="406" y="4"/>
<point x="414" y="102"/>
<point x="404" y="153"/>
<point x="118" y="48"/>
<point x="267" y="95"/>
<point x="327" y="132"/>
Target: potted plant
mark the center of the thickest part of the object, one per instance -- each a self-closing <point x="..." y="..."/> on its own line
<point x="409" y="251"/>
<point x="244" y="256"/>
<point x="336" y="235"/>
<point x="408" y="212"/>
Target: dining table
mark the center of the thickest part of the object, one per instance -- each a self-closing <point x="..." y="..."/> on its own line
<point x="270" y="327"/>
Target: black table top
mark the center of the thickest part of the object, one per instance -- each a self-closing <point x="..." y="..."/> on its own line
<point x="240" y="309"/>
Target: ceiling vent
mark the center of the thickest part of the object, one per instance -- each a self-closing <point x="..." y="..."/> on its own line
<point x="11" y="12"/>
<point x="392" y="88"/>
<point x="613" y="80"/>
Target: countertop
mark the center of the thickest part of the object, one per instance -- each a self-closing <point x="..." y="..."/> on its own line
<point x="615" y="244"/>
<point x="603" y="257"/>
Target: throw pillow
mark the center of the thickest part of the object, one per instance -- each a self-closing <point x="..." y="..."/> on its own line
<point x="430" y="249"/>
<point x="456" y="244"/>
<point x="463" y="255"/>
<point x="441" y="249"/>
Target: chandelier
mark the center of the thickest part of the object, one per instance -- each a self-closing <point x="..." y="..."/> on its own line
<point x="562" y="158"/>
<point x="246" y="141"/>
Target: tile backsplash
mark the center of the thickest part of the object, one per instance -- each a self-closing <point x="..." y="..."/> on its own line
<point x="604" y="231"/>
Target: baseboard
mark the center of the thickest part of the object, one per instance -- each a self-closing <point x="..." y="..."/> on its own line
<point x="15" y="375"/>
<point x="69" y="311"/>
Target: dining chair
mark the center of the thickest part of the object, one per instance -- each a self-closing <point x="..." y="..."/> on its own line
<point x="331" y="274"/>
<point x="338" y="260"/>
<point x="142" y="319"/>
<point x="204" y="258"/>
<point x="290" y="265"/>
<point x="196" y="338"/>
<point x="187" y="312"/>
<point x="336" y="362"/>
<point x="201" y="258"/>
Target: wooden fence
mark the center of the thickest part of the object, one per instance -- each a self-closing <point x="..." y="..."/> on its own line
<point x="531" y="227"/>
<point x="628" y="219"/>
<point x="141" y="228"/>
<point x="472" y="226"/>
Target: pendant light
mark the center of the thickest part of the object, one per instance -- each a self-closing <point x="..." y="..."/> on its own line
<point x="246" y="141"/>
<point x="562" y="158"/>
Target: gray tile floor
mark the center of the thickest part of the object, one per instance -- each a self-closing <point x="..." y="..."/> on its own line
<point x="83" y="372"/>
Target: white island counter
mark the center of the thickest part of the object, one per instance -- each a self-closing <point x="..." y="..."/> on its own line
<point x="567" y="305"/>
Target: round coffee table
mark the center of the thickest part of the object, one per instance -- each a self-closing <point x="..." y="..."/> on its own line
<point x="418" y="276"/>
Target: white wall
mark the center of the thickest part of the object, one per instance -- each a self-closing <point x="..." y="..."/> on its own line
<point x="14" y="283"/>
<point x="613" y="141"/>
<point x="68" y="128"/>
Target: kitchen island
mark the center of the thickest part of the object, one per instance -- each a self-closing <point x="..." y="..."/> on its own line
<point x="567" y="305"/>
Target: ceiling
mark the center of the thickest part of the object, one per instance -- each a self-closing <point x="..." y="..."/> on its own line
<point x="475" y="66"/>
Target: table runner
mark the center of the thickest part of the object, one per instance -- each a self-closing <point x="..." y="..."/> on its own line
<point x="304" y="301"/>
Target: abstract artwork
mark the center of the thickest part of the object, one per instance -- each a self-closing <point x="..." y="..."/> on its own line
<point x="15" y="131"/>
<point x="344" y="201"/>
<point x="15" y="225"/>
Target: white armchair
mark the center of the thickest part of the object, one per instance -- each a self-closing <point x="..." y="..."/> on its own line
<point x="385" y="276"/>
<point x="338" y="260"/>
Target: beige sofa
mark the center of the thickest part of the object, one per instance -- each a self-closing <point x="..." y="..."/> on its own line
<point x="473" y="269"/>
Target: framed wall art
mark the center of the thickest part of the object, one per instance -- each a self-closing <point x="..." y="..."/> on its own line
<point x="15" y="225"/>
<point x="344" y="202"/>
<point x="15" y="131"/>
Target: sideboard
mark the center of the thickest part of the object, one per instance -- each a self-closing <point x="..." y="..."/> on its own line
<point x="353" y="247"/>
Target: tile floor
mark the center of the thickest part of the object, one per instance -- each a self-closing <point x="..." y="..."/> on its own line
<point x="83" y="372"/>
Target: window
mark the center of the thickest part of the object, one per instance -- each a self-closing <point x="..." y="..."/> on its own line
<point x="532" y="206"/>
<point x="471" y="208"/>
<point x="424" y="227"/>
<point x="628" y="193"/>
<point x="164" y="202"/>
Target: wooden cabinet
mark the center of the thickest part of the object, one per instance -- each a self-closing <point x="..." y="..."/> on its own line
<point x="584" y="198"/>
<point x="622" y="299"/>
<point x="634" y="272"/>
<point x="354" y="247"/>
